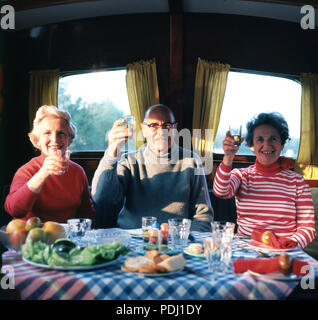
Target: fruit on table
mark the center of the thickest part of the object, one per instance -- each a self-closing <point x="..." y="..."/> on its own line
<point x="32" y="222"/>
<point x="266" y="237"/>
<point x="14" y="225"/>
<point x="17" y="238"/>
<point x="54" y="231"/>
<point x="37" y="234"/>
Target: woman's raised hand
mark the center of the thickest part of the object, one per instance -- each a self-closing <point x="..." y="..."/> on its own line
<point x="229" y="149"/>
<point x="55" y="164"/>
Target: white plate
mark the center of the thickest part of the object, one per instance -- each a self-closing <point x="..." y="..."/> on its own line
<point x="275" y="276"/>
<point x="197" y="255"/>
<point x="155" y="275"/>
<point x="263" y="247"/>
<point x="72" y="268"/>
<point x="134" y="232"/>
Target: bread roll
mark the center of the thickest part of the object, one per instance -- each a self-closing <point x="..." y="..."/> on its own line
<point x="195" y="248"/>
<point x="133" y="264"/>
<point x="173" y="263"/>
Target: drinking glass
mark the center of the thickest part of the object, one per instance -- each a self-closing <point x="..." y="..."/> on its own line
<point x="223" y="226"/>
<point x="236" y="134"/>
<point x="130" y="121"/>
<point x="76" y="228"/>
<point x="179" y="230"/>
<point x="146" y="224"/>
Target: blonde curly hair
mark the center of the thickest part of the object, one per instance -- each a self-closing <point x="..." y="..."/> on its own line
<point x="52" y="112"/>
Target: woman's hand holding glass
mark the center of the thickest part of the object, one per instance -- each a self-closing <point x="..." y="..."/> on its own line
<point x="56" y="163"/>
<point x="122" y="130"/>
<point x="230" y="148"/>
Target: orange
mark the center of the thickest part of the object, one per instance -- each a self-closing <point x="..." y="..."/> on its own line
<point x="17" y="238"/>
<point x="15" y="224"/>
<point x="266" y="237"/>
<point x="53" y="230"/>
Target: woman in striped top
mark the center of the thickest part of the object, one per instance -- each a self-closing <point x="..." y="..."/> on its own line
<point x="268" y="195"/>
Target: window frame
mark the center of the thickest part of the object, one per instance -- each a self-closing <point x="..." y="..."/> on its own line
<point x="88" y="155"/>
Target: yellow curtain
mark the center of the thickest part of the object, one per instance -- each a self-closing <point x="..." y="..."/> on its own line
<point x="43" y="90"/>
<point x="210" y="85"/>
<point x="307" y="160"/>
<point x="142" y="89"/>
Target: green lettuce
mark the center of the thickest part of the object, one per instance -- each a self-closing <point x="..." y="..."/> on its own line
<point x="40" y="252"/>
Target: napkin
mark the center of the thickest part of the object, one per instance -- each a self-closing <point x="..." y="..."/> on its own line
<point x="267" y="265"/>
<point x="275" y="241"/>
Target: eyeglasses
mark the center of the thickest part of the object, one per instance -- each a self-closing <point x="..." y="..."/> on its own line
<point x="155" y="126"/>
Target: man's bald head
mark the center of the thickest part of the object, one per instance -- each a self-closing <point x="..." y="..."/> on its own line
<point x="160" y="109"/>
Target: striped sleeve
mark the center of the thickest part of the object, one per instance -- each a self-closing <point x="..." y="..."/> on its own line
<point x="305" y="216"/>
<point x="226" y="181"/>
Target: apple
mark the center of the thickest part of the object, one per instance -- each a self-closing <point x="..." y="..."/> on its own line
<point x="17" y="238"/>
<point x="32" y="222"/>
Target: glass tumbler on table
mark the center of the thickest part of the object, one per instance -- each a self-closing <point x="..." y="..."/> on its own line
<point x="179" y="230"/>
<point x="76" y="228"/>
<point x="146" y="224"/>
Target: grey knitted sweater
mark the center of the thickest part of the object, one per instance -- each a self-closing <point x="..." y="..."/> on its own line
<point x="142" y="183"/>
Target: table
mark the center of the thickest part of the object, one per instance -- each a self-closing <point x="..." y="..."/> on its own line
<point x="111" y="283"/>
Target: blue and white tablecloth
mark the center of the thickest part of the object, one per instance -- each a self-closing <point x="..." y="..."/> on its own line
<point x="111" y="283"/>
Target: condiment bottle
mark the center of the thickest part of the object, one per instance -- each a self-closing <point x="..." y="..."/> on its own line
<point x="164" y="231"/>
<point x="154" y="235"/>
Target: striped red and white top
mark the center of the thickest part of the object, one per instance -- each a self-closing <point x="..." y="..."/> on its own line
<point x="280" y="201"/>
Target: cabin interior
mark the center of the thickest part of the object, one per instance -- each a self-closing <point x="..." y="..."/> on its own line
<point x="72" y="36"/>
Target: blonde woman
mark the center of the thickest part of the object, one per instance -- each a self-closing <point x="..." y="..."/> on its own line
<point x="50" y="186"/>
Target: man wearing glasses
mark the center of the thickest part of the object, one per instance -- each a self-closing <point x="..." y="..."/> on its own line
<point x="160" y="179"/>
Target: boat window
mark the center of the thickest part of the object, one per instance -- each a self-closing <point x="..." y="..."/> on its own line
<point x="94" y="100"/>
<point x="249" y="94"/>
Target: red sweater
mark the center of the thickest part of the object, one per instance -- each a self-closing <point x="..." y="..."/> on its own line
<point x="278" y="200"/>
<point x="61" y="197"/>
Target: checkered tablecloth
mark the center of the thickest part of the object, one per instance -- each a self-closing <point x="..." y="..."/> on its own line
<point x="111" y="283"/>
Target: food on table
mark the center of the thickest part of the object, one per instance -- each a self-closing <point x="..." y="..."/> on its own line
<point x="285" y="265"/>
<point x="54" y="231"/>
<point x="49" y="254"/>
<point x="33" y="222"/>
<point x="36" y="234"/>
<point x="266" y="237"/>
<point x="153" y="262"/>
<point x="196" y="248"/>
<point x="18" y="231"/>
<point x="17" y="238"/>
<point x="173" y="263"/>
<point x="14" y="225"/>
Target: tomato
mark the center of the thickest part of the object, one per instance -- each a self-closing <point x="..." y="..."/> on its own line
<point x="266" y="237"/>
